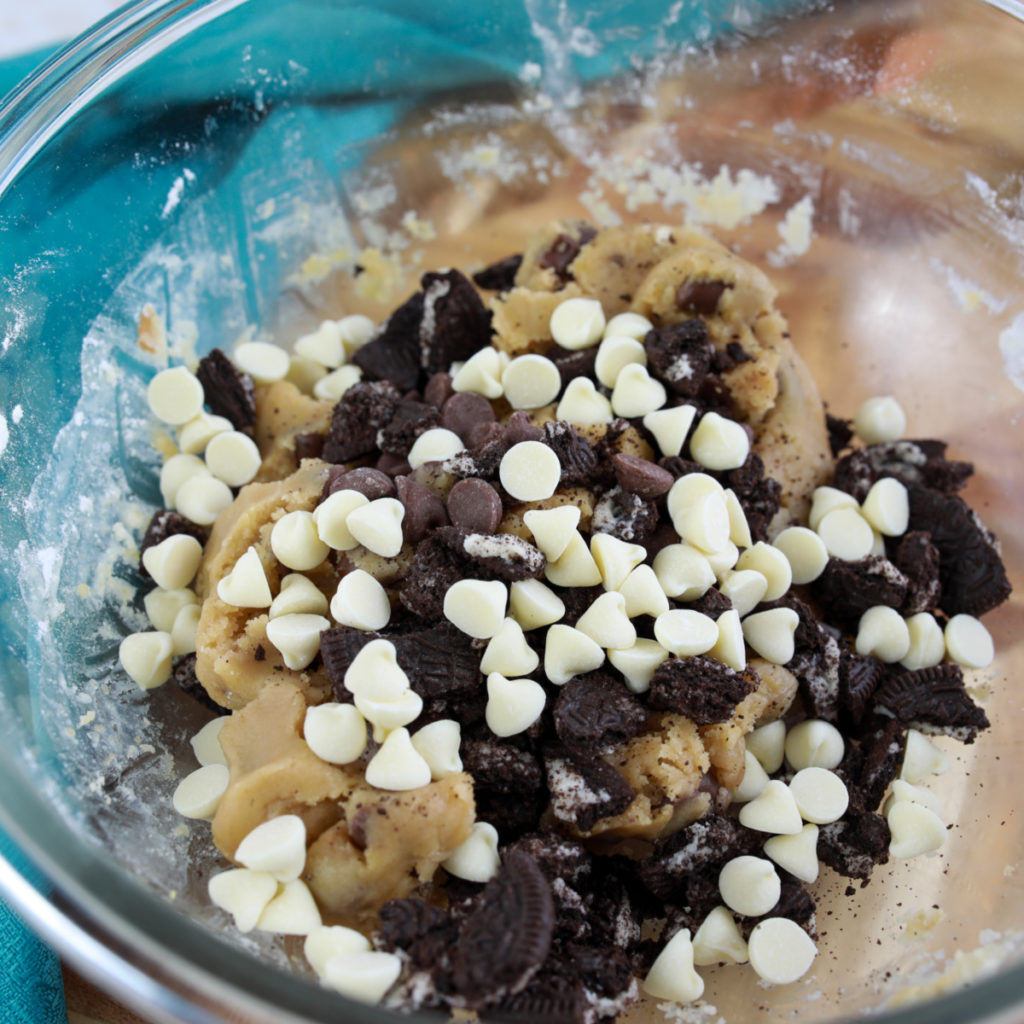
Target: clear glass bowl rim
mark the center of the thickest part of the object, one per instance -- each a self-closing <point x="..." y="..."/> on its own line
<point x="130" y="942"/>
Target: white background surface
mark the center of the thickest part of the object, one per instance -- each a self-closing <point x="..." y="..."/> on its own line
<point x="30" y="24"/>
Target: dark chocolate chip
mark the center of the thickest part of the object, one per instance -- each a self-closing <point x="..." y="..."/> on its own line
<point x="699" y="687"/>
<point x="518" y="428"/>
<point x="370" y="482"/>
<point x="679" y="355"/>
<point x="164" y="524"/>
<point x="228" y="391"/>
<point x="464" y="411"/>
<point x="642" y="477"/>
<point x="700" y="297"/>
<point x="595" y="712"/>
<point x="455" y="322"/>
<point x="475" y="506"/>
<point x="359" y="414"/>
<point x="309" y="446"/>
<point x="424" y="510"/>
<point x="565" y="247"/>
<point x="499" y="276"/>
<point x="728" y="358"/>
<point x="394" y="354"/>
<point x="438" y="389"/>
<point x="934" y="700"/>
<point x="410" y="419"/>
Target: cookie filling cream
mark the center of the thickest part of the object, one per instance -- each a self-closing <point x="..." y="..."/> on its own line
<point x="563" y="636"/>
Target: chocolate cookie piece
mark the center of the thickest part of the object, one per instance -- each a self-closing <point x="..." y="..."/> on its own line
<point x="913" y="463"/>
<point x="164" y="524"/>
<point x="840" y="433"/>
<point x="594" y="713"/>
<point x="973" y="578"/>
<point x="574" y="364"/>
<point x="559" y="857"/>
<point x="759" y="495"/>
<point x="859" y="676"/>
<point x="364" y="409"/>
<point x="507" y="934"/>
<point x="576" y="457"/>
<point x="625" y="515"/>
<point x="455" y="322"/>
<point x="440" y="661"/>
<point x="499" y="555"/>
<point x="918" y="559"/>
<point x="846" y="590"/>
<point x="501" y="767"/>
<point x="679" y="355"/>
<point x="702" y="688"/>
<point x="854" y="844"/>
<point x="552" y="998"/>
<point x="339" y="646"/>
<point x="424" y="510"/>
<point x="227" y="391"/>
<point x="711" y="603"/>
<point x="434" y="568"/>
<point x="394" y="355"/>
<point x="500" y="275"/>
<point x="585" y="791"/>
<point x="309" y="446"/>
<point x="933" y="700"/>
<point x="410" y="419"/>
<point x="183" y="672"/>
<point x="871" y="763"/>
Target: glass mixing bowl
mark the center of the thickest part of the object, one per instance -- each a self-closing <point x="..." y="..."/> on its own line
<point x="224" y="166"/>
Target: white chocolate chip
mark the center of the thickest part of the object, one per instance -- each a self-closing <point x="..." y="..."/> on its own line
<point x="755" y="778"/>
<point x="724" y="560"/>
<point x="513" y="705"/>
<point x="246" y="585"/>
<point x="162" y="606"/>
<point x="820" y="795"/>
<point x="825" y="500"/>
<point x="749" y="885"/>
<point x="173" y="562"/>
<point x="638" y="663"/>
<point x="883" y="632"/>
<point x="331" y="519"/>
<point x="771" y="634"/>
<point x="768" y="744"/>
<point x="195" y="435"/>
<point x="184" y="630"/>
<point x="846" y="534"/>
<point x="533" y="604"/>
<point x="739" y="528"/>
<point x="297" y="637"/>
<point x="377" y="525"/>
<point x="387" y="715"/>
<point x="278" y="846"/>
<point x="775" y="811"/>
<point x="175" y="471"/>
<point x="331" y="387"/>
<point x="922" y="758"/>
<point x="438" y="745"/>
<point x="927" y="643"/>
<point x="615" y="558"/>
<point x="575" y="567"/>
<point x="670" y="427"/>
<point x="531" y="381"/>
<point x="606" y="622"/>
<point x="198" y="794"/>
<point x="175" y="396"/>
<point x="552" y="528"/>
<point x="328" y="941"/>
<point x="324" y="345"/>
<point x="683" y="572"/>
<point x="365" y="977"/>
<point x="672" y="976"/>
<point x="298" y="595"/>
<point x="583" y="405"/>
<point x="780" y="950"/>
<point x="704" y="523"/>
<point x="805" y="551"/>
<point x="336" y="733"/>
<point x="878" y="544"/>
<point x="636" y="392"/>
<point x="146" y="657"/>
<point x="481" y="373"/>
<point x="968" y="642"/>
<point x="206" y="742"/>
<point x="304" y="373"/>
<point x="730" y="648"/>
<point x="476" y="858"/>
<point x="772" y="564"/>
<point x="360" y="601"/>
<point x="814" y="743"/>
<point x="915" y="830"/>
<point x="375" y="672"/>
<point x="615" y="352"/>
<point x="508" y="652"/>
<point x="887" y="507"/>
<point x="355" y="330"/>
<point x="477" y="607"/>
<point x="628" y="325"/>
<point x="577" y="323"/>
<point x="903" y="790"/>
<point x="398" y="765"/>
<point x="203" y="498"/>
<point x="796" y="854"/>
<point x="718" y="940"/>
<point x="530" y="471"/>
<point x="689" y="489"/>
<point x="233" y="457"/>
<point x="296" y="543"/>
<point x="293" y="911"/>
<point x="434" y="445"/>
<point x="264" y="362"/>
<point x="685" y="632"/>
<point x="244" y="894"/>
<point x="569" y="652"/>
<point x="745" y="588"/>
<point x="880" y="419"/>
<point x="643" y="593"/>
<point x="719" y="443"/>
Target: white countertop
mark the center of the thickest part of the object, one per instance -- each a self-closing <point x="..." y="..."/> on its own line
<point x="29" y="24"/>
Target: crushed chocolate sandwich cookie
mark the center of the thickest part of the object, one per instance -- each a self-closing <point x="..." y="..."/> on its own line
<point x="553" y="653"/>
